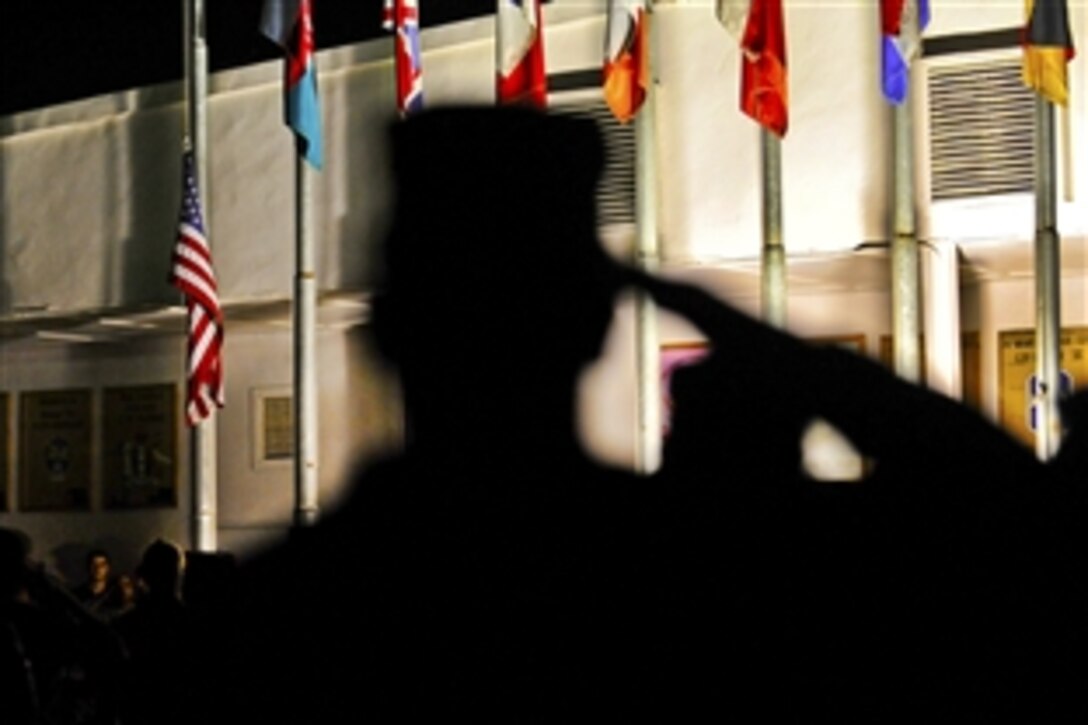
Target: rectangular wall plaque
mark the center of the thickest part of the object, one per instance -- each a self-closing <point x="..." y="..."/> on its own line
<point x="970" y="365"/>
<point x="1016" y="368"/>
<point x="55" y="450"/>
<point x="139" y="446"/>
<point x="273" y="426"/>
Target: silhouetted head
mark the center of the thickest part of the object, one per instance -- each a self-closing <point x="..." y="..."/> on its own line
<point x="160" y="568"/>
<point x="98" y="566"/>
<point x="127" y="588"/>
<point x="14" y="567"/>
<point x="1072" y="458"/>
<point x="492" y="260"/>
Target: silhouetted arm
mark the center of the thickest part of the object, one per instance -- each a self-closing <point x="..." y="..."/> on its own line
<point x="884" y="416"/>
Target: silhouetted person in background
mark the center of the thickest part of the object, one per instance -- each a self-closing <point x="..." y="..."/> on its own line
<point x="58" y="663"/>
<point x="126" y="597"/>
<point x="158" y="633"/>
<point x="100" y="593"/>
<point x="1071" y="462"/>
<point x="30" y="646"/>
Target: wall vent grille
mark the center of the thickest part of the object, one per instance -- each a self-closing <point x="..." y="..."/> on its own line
<point x="616" y="193"/>
<point x="981" y="130"/>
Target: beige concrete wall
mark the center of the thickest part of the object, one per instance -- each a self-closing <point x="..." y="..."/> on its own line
<point x="108" y="167"/>
<point x="360" y="418"/>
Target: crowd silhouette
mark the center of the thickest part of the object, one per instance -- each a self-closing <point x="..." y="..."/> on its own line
<point x="494" y="571"/>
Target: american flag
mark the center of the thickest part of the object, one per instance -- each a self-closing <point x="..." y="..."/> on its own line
<point x="192" y="273"/>
<point x="402" y="18"/>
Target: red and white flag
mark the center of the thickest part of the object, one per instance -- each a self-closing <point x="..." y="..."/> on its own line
<point x="626" y="62"/>
<point x="192" y="273"/>
<point x="401" y="17"/>
<point x="519" y="54"/>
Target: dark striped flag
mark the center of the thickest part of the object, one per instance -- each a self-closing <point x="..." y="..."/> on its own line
<point x="193" y="274"/>
<point x="1048" y="47"/>
<point x="401" y="17"/>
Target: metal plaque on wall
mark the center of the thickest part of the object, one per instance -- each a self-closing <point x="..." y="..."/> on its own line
<point x="139" y="446"/>
<point x="55" y="450"/>
<point x="1016" y="376"/>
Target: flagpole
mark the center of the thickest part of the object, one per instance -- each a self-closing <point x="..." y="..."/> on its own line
<point x="305" y="353"/>
<point x="773" y="255"/>
<point x="648" y="253"/>
<point x="1047" y="287"/>
<point x="940" y="315"/>
<point x="906" y="310"/>
<point x="203" y="451"/>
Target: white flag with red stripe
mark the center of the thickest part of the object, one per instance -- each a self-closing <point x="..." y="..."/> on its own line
<point x="192" y="273"/>
<point x="519" y="54"/>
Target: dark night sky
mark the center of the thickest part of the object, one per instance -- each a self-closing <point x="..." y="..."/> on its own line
<point x="62" y="50"/>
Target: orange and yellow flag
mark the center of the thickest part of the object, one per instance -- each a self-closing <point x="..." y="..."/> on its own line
<point x="626" y="63"/>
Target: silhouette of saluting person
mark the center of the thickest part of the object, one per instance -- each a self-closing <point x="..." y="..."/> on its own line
<point x="492" y="570"/>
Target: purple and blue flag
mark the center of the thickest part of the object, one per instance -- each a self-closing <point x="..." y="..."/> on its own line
<point x="896" y="50"/>
<point x="288" y="24"/>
